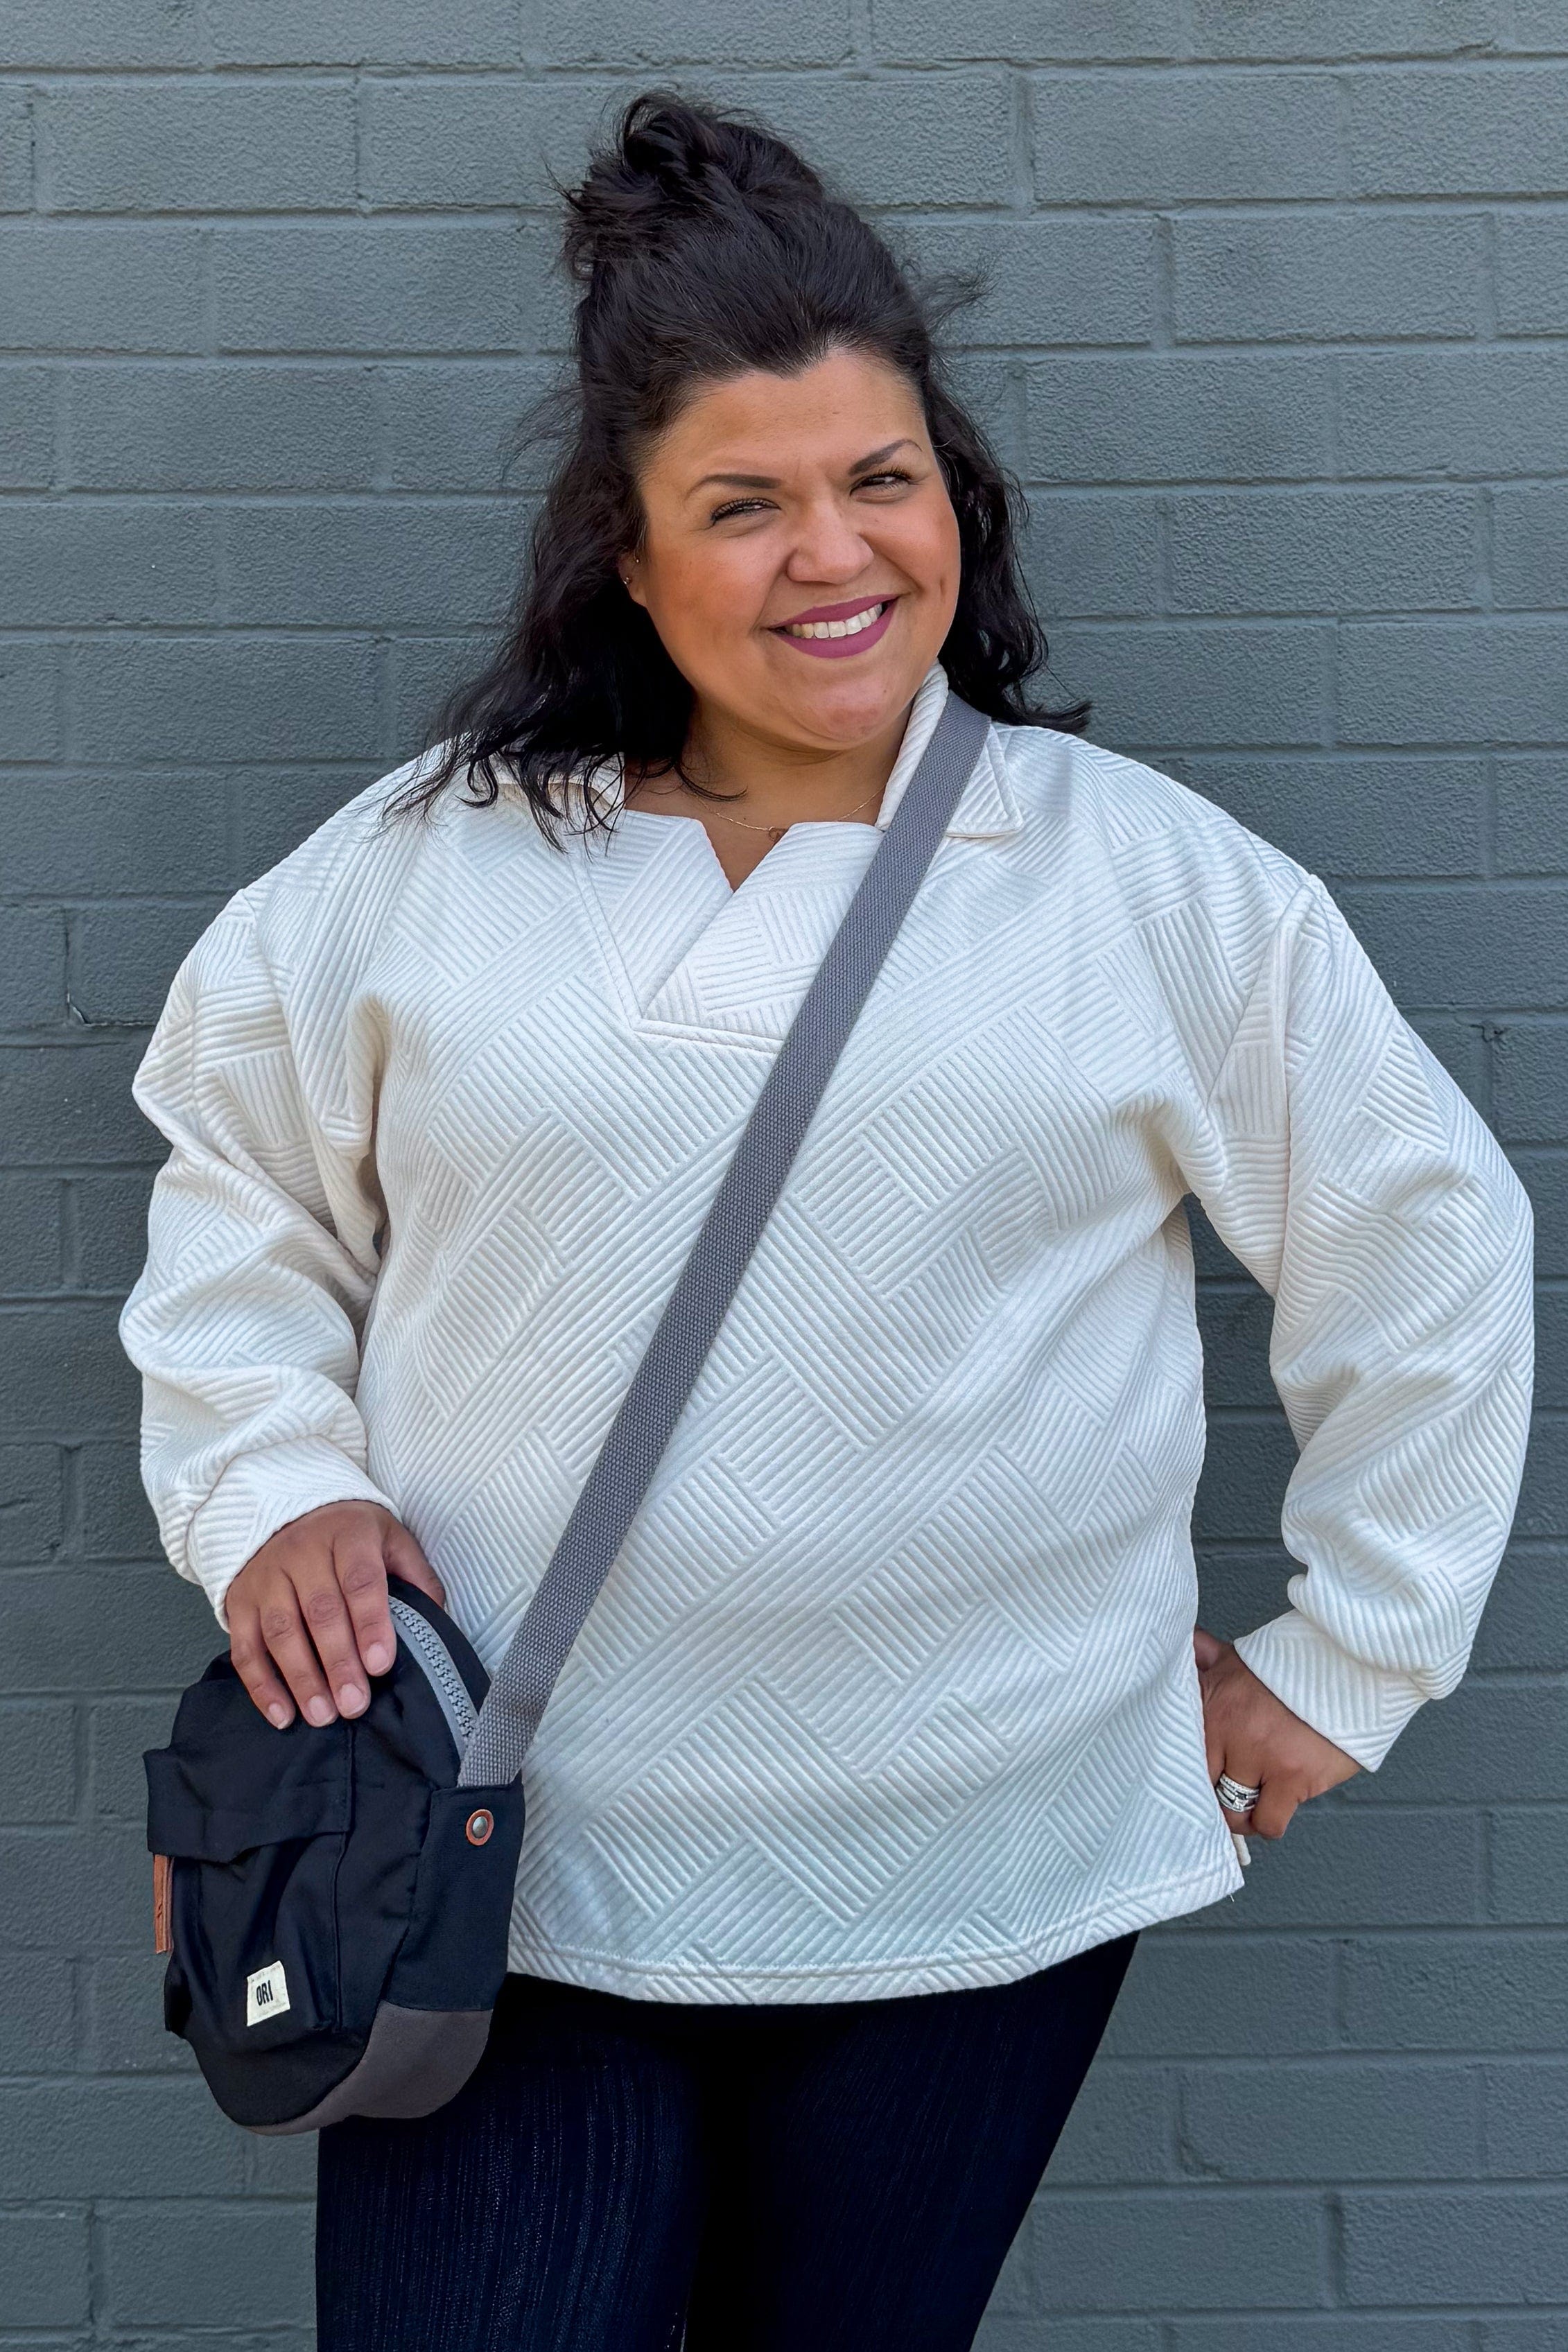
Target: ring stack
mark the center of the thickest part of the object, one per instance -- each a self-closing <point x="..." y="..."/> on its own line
<point x="1233" y="1796"/>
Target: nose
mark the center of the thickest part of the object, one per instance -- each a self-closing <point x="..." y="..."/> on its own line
<point x="828" y="547"/>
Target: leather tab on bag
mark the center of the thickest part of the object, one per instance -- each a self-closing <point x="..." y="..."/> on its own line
<point x="163" y="1881"/>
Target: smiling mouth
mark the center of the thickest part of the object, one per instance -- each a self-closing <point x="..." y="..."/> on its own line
<point x="840" y="632"/>
<point x="850" y="626"/>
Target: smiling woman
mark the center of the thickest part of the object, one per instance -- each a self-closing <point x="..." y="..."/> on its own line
<point x="763" y="460"/>
<point x="801" y="693"/>
<point x="891" y="1724"/>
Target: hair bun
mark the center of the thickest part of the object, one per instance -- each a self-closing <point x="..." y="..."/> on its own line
<point x="669" y="165"/>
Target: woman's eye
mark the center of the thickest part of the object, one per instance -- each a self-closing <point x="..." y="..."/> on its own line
<point x="892" y="478"/>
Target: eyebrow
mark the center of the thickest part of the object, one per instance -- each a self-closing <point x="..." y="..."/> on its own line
<point x="770" y="482"/>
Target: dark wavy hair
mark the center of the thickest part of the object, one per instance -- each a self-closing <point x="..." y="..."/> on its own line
<point x="704" y="248"/>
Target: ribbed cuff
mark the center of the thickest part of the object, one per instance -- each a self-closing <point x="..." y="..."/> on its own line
<point x="259" y="1494"/>
<point x="1362" y="1708"/>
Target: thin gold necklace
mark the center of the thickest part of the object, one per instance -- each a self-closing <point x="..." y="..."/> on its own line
<point x="777" y="831"/>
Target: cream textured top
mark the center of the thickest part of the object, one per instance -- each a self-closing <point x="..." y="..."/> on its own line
<point x="892" y="1686"/>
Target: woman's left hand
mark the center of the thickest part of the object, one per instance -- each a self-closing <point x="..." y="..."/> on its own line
<point x="1255" y="1737"/>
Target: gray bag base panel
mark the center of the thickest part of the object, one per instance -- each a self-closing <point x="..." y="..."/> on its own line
<point x="415" y="2060"/>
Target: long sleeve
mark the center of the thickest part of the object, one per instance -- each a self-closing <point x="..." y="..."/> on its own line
<point x="245" y="1322"/>
<point x="1371" y="1201"/>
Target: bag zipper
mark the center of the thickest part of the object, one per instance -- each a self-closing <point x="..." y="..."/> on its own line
<point x="425" y="1645"/>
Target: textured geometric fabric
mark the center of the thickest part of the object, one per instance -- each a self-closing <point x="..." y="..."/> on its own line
<point x="602" y="1515"/>
<point x="891" y="1687"/>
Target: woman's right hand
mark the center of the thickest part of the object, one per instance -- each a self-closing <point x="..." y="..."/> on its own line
<point x="308" y="1620"/>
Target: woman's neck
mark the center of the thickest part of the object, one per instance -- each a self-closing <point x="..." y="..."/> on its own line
<point x="764" y="787"/>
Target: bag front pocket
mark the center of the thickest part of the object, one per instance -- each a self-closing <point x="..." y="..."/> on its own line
<point x="254" y="1829"/>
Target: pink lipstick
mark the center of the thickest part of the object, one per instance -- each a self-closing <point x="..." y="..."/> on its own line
<point x="833" y="631"/>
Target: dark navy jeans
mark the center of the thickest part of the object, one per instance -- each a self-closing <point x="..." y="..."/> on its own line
<point x="797" y="2177"/>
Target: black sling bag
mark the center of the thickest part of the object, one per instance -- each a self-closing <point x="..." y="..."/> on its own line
<point x="335" y="1902"/>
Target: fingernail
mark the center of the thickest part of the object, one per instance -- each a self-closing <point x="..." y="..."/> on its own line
<point x="351" y="1699"/>
<point x="281" y="1715"/>
<point x="378" y="1657"/>
<point x="320" y="1710"/>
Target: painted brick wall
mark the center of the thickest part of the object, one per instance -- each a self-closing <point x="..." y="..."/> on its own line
<point x="1280" y="340"/>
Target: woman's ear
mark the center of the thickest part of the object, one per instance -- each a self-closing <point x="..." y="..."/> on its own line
<point x="629" y="580"/>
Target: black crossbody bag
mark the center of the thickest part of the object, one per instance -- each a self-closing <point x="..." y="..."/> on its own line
<point x="335" y="1901"/>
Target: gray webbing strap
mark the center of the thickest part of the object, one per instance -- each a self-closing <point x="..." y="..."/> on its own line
<point x="689" y="1325"/>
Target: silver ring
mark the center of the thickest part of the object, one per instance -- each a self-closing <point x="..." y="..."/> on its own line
<point x="1235" y="1796"/>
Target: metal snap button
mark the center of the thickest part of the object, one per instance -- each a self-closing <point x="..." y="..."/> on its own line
<point x="478" y="1828"/>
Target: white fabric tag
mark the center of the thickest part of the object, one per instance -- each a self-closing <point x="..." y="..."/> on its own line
<point x="266" y="1994"/>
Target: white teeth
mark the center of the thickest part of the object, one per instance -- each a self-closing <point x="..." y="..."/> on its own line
<point x="850" y="628"/>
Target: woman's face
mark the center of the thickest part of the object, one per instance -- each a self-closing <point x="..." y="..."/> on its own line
<point x="801" y="556"/>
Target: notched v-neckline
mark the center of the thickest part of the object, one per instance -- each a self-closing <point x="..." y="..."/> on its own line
<point x="801" y="824"/>
<point x="693" y="954"/>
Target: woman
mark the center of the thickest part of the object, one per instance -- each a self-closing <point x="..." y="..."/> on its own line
<point x="892" y="1726"/>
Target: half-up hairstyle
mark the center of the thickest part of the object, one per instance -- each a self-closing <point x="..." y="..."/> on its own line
<point x="705" y="248"/>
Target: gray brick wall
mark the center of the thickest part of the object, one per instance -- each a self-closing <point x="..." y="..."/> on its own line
<point x="1278" y="340"/>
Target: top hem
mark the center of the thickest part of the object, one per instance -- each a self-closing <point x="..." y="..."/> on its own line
<point x="1167" y="1898"/>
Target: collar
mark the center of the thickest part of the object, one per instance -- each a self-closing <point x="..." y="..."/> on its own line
<point x="987" y="811"/>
